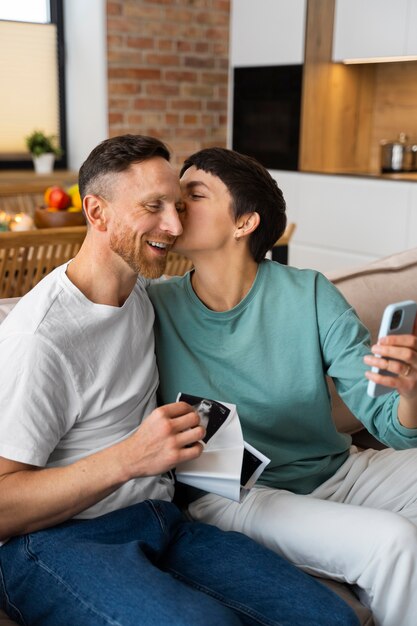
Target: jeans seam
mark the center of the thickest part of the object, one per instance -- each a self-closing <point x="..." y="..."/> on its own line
<point x="9" y="603"/>
<point x="232" y="604"/>
<point x="159" y="515"/>
<point x="89" y="607"/>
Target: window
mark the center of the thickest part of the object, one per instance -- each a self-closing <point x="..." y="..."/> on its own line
<point x="31" y="77"/>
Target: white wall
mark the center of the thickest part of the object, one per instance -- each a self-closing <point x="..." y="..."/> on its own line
<point x="86" y="77"/>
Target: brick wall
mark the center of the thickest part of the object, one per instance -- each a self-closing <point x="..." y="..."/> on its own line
<point x="168" y="71"/>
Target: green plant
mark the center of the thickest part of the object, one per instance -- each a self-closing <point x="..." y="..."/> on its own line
<point x="38" y="143"/>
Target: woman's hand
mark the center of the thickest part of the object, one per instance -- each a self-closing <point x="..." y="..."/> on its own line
<point x="397" y="354"/>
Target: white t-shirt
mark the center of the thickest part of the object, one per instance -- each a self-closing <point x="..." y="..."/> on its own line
<point x="77" y="377"/>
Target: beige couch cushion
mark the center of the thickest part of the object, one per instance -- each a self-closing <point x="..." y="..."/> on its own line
<point x="369" y="289"/>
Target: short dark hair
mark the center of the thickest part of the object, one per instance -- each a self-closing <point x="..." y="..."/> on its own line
<point x="116" y="155"/>
<point x="251" y="187"/>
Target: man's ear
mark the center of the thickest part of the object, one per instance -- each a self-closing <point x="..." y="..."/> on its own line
<point x="247" y="223"/>
<point x="94" y="212"/>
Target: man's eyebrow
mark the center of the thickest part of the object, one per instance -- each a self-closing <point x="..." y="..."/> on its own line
<point x="153" y="197"/>
<point x="194" y="183"/>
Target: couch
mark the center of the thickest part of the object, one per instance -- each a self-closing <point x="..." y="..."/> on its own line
<point x="369" y="289"/>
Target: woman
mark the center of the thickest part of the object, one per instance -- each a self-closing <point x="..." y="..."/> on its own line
<point x="264" y="336"/>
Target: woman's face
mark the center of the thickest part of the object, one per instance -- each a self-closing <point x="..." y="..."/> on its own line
<point x="207" y="218"/>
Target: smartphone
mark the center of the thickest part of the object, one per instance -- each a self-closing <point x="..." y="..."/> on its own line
<point x="397" y="319"/>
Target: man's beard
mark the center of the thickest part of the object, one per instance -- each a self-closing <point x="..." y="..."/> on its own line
<point x="130" y="249"/>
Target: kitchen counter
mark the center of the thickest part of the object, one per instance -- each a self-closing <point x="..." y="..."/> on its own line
<point x="401" y="176"/>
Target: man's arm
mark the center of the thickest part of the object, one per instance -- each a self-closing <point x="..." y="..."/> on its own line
<point x="33" y="498"/>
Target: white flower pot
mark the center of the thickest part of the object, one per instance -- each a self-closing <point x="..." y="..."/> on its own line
<point x="44" y="163"/>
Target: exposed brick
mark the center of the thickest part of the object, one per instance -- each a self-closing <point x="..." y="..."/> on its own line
<point x="132" y="72"/>
<point x="194" y="61"/>
<point x="165" y="44"/>
<point x="216" y="105"/>
<point x="162" y="89"/>
<point x="168" y="71"/>
<point x="145" y="43"/>
<point x="133" y="8"/>
<point x="114" y="8"/>
<point x="199" y="90"/>
<point x="150" y="104"/>
<point x="124" y="57"/>
<point x="215" y="18"/>
<point x="215" y="78"/>
<point x="162" y="59"/>
<point x="184" y="46"/>
<point x="181" y="76"/>
<point x="172" y="118"/>
<point x="202" y="46"/>
<point x="124" y="88"/>
<point x="114" y="42"/>
<point x="183" y="105"/>
<point x="190" y="119"/>
<point x="116" y="118"/>
<point x="191" y="133"/>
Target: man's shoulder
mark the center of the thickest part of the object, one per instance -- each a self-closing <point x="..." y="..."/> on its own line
<point x="31" y="309"/>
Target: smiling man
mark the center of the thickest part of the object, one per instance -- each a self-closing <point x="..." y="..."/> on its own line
<point x="90" y="533"/>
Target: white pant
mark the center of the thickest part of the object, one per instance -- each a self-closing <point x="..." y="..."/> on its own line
<point x="358" y="527"/>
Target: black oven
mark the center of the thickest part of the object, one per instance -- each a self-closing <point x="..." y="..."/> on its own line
<point x="266" y="114"/>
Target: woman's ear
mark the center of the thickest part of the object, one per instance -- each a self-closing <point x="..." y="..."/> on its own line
<point x="246" y="224"/>
<point x="94" y="212"/>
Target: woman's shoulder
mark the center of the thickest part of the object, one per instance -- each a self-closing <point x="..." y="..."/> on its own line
<point x="291" y="273"/>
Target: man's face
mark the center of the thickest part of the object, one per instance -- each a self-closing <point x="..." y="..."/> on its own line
<point x="142" y="215"/>
<point x="207" y="219"/>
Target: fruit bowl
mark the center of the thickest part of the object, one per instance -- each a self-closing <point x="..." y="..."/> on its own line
<point x="56" y="219"/>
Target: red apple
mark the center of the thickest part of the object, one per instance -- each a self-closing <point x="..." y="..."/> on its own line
<point x="59" y="198"/>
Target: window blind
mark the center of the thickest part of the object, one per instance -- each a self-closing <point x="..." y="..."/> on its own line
<point x="29" y="95"/>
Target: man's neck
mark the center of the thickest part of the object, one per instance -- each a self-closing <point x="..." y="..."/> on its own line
<point x="101" y="276"/>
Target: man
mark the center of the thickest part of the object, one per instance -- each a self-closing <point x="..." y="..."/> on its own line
<point x="91" y="536"/>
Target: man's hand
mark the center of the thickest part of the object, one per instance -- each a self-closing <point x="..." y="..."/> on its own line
<point x="33" y="498"/>
<point x="167" y="437"/>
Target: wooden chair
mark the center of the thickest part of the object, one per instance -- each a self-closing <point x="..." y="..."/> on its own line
<point x="177" y="265"/>
<point x="26" y="257"/>
<point x="286" y="236"/>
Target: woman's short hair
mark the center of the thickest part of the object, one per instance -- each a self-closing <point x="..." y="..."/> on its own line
<point x="252" y="189"/>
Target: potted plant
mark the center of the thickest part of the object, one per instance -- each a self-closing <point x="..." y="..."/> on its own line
<point x="44" y="149"/>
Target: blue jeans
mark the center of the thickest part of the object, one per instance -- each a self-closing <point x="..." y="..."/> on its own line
<point x="147" y="565"/>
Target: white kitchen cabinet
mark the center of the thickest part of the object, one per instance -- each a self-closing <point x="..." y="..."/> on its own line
<point x="374" y="28"/>
<point x="346" y="221"/>
<point x="267" y="32"/>
<point x="412" y="222"/>
<point x="411" y="42"/>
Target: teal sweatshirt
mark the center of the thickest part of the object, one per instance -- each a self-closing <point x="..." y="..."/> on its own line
<point x="270" y="355"/>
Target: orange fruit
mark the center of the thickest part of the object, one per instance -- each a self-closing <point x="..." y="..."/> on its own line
<point x="46" y="195"/>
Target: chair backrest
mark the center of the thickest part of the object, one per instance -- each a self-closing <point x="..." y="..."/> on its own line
<point x="177" y="265"/>
<point x="286" y="236"/>
<point x="26" y="257"/>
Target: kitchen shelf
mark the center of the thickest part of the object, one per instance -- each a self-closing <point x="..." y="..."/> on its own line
<point x="22" y="182"/>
